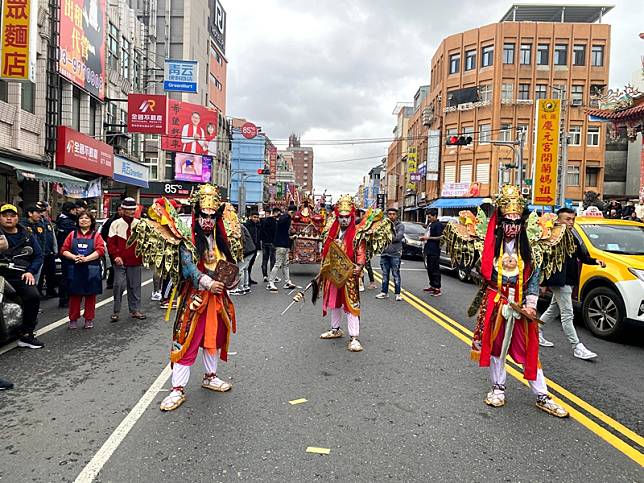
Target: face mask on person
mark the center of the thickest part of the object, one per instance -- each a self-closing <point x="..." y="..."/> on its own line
<point x="344" y="220"/>
<point x="511" y="228"/>
<point x="206" y="223"/>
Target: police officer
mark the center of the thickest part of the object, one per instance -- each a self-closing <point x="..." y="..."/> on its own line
<point x="24" y="283"/>
<point x="32" y="221"/>
<point x="50" y="250"/>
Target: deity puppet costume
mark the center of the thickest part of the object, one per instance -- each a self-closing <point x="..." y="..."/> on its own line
<point x="193" y="259"/>
<point x="515" y="250"/>
<point x="346" y="249"/>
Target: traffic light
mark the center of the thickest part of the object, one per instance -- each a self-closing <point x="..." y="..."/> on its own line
<point x="264" y="171"/>
<point x="458" y="140"/>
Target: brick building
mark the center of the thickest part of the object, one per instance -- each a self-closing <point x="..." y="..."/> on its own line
<point x="302" y="163"/>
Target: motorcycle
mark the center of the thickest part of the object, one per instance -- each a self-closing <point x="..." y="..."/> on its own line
<point x="10" y="309"/>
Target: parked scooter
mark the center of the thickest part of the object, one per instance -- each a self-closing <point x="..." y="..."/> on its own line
<point x="10" y="305"/>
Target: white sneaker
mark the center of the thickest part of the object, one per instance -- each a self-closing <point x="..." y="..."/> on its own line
<point x="382" y="295"/>
<point x="156" y="296"/>
<point x="271" y="287"/>
<point x="354" y="345"/>
<point x="580" y="352"/>
<point x="236" y="291"/>
<point x="212" y="382"/>
<point x="278" y="280"/>
<point x="399" y="298"/>
<point x="289" y="285"/>
<point x="543" y="342"/>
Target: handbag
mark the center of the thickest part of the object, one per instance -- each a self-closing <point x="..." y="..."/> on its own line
<point x="226" y="273"/>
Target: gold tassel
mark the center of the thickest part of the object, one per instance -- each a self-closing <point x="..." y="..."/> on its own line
<point x="475" y="355"/>
<point x="174" y="294"/>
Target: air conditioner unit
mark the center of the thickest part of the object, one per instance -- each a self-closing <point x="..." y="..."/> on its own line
<point x="525" y="191"/>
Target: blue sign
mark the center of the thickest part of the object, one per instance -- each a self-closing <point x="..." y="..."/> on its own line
<point x="181" y="75"/>
<point x="130" y="172"/>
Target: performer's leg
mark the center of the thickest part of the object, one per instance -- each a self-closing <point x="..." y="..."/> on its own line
<point x="353" y="323"/>
<point x="544" y="401"/>
<point x="538" y="386"/>
<point x="180" y="375"/>
<point x="210" y="379"/>
<point x="498" y="376"/>
<point x="335" y="331"/>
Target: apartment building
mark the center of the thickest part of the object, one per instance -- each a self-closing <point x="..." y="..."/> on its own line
<point x="302" y="163"/>
<point x="396" y="173"/>
<point x="485" y="83"/>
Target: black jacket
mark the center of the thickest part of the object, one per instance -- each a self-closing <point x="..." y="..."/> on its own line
<point x="569" y="274"/>
<point x="267" y="230"/>
<point x="17" y="241"/>
<point x="65" y="224"/>
<point x="254" y="230"/>
<point x="283" y="232"/>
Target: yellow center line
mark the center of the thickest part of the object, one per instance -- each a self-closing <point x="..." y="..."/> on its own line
<point x="464" y="334"/>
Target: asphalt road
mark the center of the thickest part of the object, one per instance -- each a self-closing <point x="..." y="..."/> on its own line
<point x="410" y="407"/>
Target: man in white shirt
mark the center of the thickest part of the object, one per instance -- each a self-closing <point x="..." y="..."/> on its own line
<point x="192" y="135"/>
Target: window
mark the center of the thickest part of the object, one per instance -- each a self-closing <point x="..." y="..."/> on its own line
<point x="470" y="60"/>
<point x="592" y="177"/>
<point x="485" y="93"/>
<point x="543" y="54"/>
<point x="113" y="45"/>
<point x="579" y="55"/>
<point x="484" y="133"/>
<point x="483" y="173"/>
<point x="487" y="56"/>
<point x="575" y="136"/>
<point x="28" y="97"/>
<point x="541" y="91"/>
<point x="524" y="92"/>
<point x="526" y="54"/>
<point x="92" y="116"/>
<point x="561" y="54"/>
<point x="508" y="53"/>
<point x="466" y="173"/>
<point x="454" y="63"/>
<point x="76" y="97"/>
<point x="468" y="131"/>
<point x="136" y="71"/>
<point x="125" y="59"/>
<point x="597" y="56"/>
<point x="577" y="95"/>
<point x="154" y="171"/>
<point x="450" y="173"/>
<point x="169" y="167"/>
<point x="506" y="132"/>
<point x="572" y="178"/>
<point x="452" y="131"/>
<point x="592" y="136"/>
<point x="507" y="94"/>
<point x="4" y="91"/>
<point x="559" y="91"/>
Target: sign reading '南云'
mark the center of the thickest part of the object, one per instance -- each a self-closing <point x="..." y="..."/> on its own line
<point x="546" y="157"/>
<point x="181" y="75"/>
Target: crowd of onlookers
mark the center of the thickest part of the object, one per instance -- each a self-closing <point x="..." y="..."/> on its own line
<point x="630" y="211"/>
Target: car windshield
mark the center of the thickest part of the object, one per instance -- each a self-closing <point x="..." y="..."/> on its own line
<point x="622" y="239"/>
<point x="414" y="229"/>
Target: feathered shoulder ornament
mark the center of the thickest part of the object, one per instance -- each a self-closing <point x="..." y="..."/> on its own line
<point x="463" y="238"/>
<point x="550" y="242"/>
<point x="233" y="232"/>
<point x="376" y="230"/>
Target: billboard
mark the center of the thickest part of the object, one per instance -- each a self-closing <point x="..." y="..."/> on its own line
<point x="191" y="129"/>
<point x="82" y="44"/>
<point x="147" y="113"/>
<point x="78" y="151"/>
<point x="181" y="75"/>
<point x="19" y="40"/>
<point x="192" y="167"/>
<point x="217" y="24"/>
<point x="544" y="191"/>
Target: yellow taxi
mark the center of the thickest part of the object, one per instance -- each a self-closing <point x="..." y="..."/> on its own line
<point x="611" y="297"/>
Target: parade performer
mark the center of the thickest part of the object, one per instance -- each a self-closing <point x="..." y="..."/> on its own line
<point x="516" y="250"/>
<point x="201" y="264"/>
<point x="346" y="249"/>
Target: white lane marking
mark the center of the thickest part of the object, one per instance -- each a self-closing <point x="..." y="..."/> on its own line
<point x="116" y="438"/>
<point x="63" y="321"/>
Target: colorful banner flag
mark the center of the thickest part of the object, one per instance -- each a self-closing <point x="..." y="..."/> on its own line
<point x="546" y="157"/>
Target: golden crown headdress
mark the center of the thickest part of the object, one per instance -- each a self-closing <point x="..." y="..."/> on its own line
<point x="344" y="204"/>
<point x="510" y="200"/>
<point x="207" y="195"/>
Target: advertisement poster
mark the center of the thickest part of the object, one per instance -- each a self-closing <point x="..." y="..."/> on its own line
<point x="217" y="25"/>
<point x="192" y="167"/>
<point x="546" y="157"/>
<point x="19" y="40"/>
<point x="460" y="190"/>
<point x="82" y="44"/>
<point x="191" y="129"/>
<point x="147" y="113"/>
<point x="78" y="151"/>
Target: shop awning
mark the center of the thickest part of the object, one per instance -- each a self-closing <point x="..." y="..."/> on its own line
<point x="458" y="202"/>
<point x="34" y="172"/>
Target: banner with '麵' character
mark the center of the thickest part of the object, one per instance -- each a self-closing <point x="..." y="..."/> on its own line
<point x="82" y="44"/>
<point x="546" y="158"/>
<point x="191" y="129"/>
<point x="19" y="40"/>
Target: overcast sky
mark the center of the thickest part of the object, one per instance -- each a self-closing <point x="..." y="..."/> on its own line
<point x="334" y="69"/>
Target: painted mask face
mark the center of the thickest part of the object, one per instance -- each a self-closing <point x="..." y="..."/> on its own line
<point x="207" y="222"/>
<point x="512" y="225"/>
<point x="344" y="220"/>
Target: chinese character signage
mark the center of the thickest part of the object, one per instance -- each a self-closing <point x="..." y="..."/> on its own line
<point x="546" y="158"/>
<point x="181" y="75"/>
<point x="412" y="167"/>
<point x="191" y="129"/>
<point x="19" y="40"/>
<point x="78" y="151"/>
<point x="217" y="24"/>
<point x="82" y="44"/>
<point x="460" y="190"/>
<point x="129" y="172"/>
<point x="192" y="167"/>
<point x="272" y="164"/>
<point x="146" y="113"/>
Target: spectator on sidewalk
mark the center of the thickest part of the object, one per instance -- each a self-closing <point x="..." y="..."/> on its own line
<point x="639" y="210"/>
<point x="32" y="221"/>
<point x="253" y="226"/>
<point x="84" y="248"/>
<point x="24" y="283"/>
<point x="105" y="233"/>
<point x="267" y="238"/>
<point x="127" y="266"/>
<point x="65" y="224"/>
<point x="244" y="276"/>
<point x="282" y="248"/>
<point x="561" y="284"/>
<point x="432" y="252"/>
<point x="390" y="257"/>
<point x="50" y="251"/>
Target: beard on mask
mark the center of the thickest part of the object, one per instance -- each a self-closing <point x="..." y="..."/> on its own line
<point x="206" y="224"/>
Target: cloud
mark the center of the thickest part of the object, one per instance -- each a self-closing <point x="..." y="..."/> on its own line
<point x="335" y="69"/>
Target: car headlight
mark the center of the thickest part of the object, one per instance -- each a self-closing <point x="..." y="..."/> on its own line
<point x="639" y="273"/>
